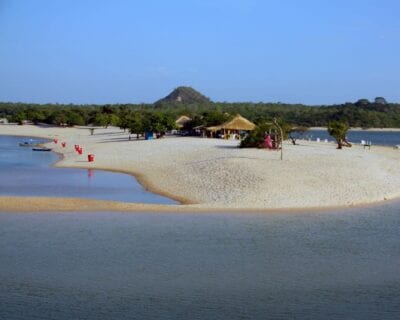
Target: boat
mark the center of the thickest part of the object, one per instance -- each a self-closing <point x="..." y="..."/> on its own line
<point x="27" y="144"/>
<point x="41" y="149"/>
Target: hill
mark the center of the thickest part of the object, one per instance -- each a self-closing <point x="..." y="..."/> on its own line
<point x="184" y="95"/>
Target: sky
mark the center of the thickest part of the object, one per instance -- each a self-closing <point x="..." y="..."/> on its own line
<point x="119" y="51"/>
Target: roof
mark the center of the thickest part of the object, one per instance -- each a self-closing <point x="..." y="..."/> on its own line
<point x="237" y="123"/>
<point x="202" y="126"/>
<point x="180" y="122"/>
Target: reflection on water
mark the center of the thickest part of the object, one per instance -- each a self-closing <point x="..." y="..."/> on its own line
<point x="24" y="172"/>
<point x="320" y="265"/>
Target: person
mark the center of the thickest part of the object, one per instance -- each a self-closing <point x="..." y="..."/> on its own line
<point x="268" y="141"/>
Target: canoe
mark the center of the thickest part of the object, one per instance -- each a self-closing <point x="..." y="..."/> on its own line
<point x="41" y="149"/>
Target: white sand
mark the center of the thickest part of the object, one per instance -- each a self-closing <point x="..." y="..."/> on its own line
<point x="213" y="173"/>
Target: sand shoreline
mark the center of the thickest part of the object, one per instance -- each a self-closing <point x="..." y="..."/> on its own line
<point x="213" y="175"/>
<point x="55" y="205"/>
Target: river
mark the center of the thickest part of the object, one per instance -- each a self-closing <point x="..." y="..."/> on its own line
<point x="328" y="264"/>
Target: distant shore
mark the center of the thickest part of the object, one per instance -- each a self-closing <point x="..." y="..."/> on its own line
<point x="213" y="174"/>
<point x="362" y="129"/>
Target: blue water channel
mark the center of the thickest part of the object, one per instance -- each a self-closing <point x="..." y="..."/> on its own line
<point x="382" y="138"/>
<point x="24" y="172"/>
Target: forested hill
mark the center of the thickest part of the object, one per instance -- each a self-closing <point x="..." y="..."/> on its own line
<point x="362" y="113"/>
<point x="183" y="95"/>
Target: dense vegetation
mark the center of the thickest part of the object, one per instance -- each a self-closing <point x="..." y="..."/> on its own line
<point x="363" y="113"/>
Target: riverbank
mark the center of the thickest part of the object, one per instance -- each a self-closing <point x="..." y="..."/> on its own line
<point x="213" y="174"/>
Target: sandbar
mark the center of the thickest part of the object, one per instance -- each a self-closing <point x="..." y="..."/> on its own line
<point x="213" y="174"/>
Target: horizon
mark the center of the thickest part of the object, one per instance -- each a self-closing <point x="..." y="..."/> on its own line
<point x="97" y="52"/>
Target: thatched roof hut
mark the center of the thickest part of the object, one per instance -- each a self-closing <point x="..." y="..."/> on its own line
<point x="182" y="120"/>
<point x="237" y="123"/>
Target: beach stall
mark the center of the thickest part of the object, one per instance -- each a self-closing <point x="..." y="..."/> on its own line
<point x="180" y="124"/>
<point x="200" y="131"/>
<point x="181" y="121"/>
<point x="232" y="129"/>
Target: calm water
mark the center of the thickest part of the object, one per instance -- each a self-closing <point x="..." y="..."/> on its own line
<point x="25" y="172"/>
<point x="377" y="138"/>
<point x="341" y="264"/>
<point x="328" y="265"/>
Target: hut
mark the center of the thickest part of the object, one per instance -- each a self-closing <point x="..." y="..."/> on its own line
<point x="232" y="129"/>
<point x="181" y="121"/>
<point x="181" y="124"/>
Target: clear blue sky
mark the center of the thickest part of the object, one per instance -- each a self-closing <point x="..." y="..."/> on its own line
<point x="116" y="51"/>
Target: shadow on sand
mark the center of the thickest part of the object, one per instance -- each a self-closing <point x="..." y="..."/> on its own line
<point x="228" y="147"/>
<point x="109" y="133"/>
<point x="120" y="140"/>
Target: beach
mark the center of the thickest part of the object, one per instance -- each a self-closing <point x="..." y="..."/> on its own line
<point x="214" y="174"/>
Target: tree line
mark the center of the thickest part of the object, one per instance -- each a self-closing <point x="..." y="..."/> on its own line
<point x="362" y="113"/>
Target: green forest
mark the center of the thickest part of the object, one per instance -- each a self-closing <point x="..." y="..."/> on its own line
<point x="187" y="101"/>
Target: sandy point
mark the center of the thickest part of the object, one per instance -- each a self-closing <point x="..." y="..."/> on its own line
<point x="214" y="174"/>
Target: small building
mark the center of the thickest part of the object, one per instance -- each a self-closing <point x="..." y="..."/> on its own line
<point x="232" y="129"/>
<point x="200" y="131"/>
<point x="181" y="121"/>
